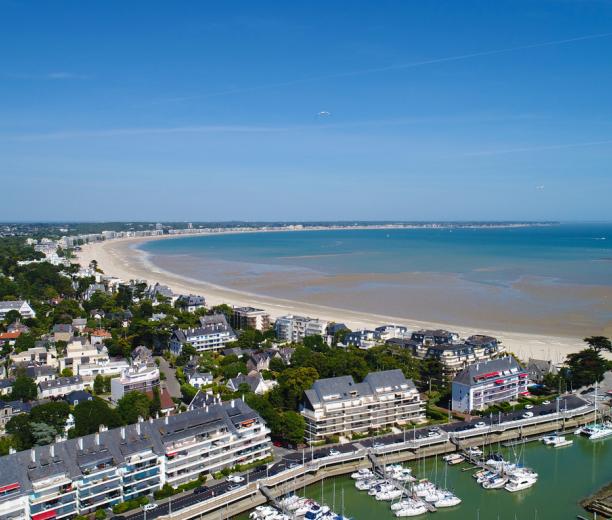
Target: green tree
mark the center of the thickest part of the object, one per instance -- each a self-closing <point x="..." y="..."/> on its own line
<point x="188" y="392"/>
<point x="89" y="415"/>
<point x="24" y="388"/>
<point x="155" y="406"/>
<point x="292" y="383"/>
<point x="599" y="343"/>
<point x="98" y="386"/>
<point x="67" y="372"/>
<point x="24" y="342"/>
<point x="585" y="367"/>
<point x="19" y="428"/>
<point x="292" y="427"/>
<point x="42" y="433"/>
<point x="54" y="413"/>
<point x="132" y="406"/>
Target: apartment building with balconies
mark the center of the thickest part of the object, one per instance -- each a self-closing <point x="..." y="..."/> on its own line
<point x="80" y="476"/>
<point x="339" y="406"/>
<point x="294" y="329"/>
<point x="481" y="385"/>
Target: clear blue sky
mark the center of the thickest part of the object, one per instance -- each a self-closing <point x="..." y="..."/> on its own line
<point x="417" y="110"/>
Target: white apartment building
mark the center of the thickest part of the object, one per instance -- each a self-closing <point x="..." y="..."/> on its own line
<point x="339" y="406"/>
<point x="80" y="476"/>
<point x="80" y="351"/>
<point x="294" y="329"/>
<point x="21" y="306"/>
<point x="213" y="334"/>
<point x="39" y="355"/>
<point x="245" y="318"/>
<point x="141" y="378"/>
<point x="89" y="371"/>
<point x="481" y="385"/>
<point x="59" y="386"/>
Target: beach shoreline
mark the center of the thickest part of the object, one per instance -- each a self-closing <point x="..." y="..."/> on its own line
<point x="121" y="258"/>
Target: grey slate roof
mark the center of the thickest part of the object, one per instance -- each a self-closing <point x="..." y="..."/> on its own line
<point x="344" y="387"/>
<point x="467" y="375"/>
<point x="60" y="382"/>
<point x="71" y="457"/>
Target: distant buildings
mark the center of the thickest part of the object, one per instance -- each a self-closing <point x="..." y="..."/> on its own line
<point x="295" y="328"/>
<point x="138" y="377"/>
<point x="21" y="306"/>
<point x="363" y="339"/>
<point x="481" y="385"/>
<point x="339" y="406"/>
<point x="83" y="475"/>
<point x="447" y="348"/>
<point x="62" y="332"/>
<point x="245" y="318"/>
<point x="40" y="355"/>
<point x="213" y="334"/>
<point x="81" y="352"/>
<point x="190" y="303"/>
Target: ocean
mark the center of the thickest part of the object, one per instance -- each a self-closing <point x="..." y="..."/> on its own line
<point x="541" y="279"/>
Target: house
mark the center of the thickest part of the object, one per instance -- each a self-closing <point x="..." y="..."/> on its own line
<point x="363" y="339"/>
<point x="98" y="336"/>
<point x="97" y="314"/>
<point x="78" y="396"/>
<point x="538" y="369"/>
<point x="481" y="385"/>
<point x="59" y="387"/>
<point x="93" y="289"/>
<point x="17" y="326"/>
<point x="213" y="334"/>
<point x="40" y="355"/>
<point x="79" y="324"/>
<point x="6" y="386"/>
<point x="190" y="303"/>
<point x="294" y="329"/>
<point x="259" y="361"/>
<point x="197" y="378"/>
<point x="235" y="351"/>
<point x="334" y="328"/>
<point x="62" y="332"/>
<point x="245" y="318"/>
<point x="9" y="409"/>
<point x="40" y="373"/>
<point x="158" y="291"/>
<point x="142" y="355"/>
<point x="21" y="306"/>
<point x="165" y="399"/>
<point x="254" y="381"/>
<point x="9" y="338"/>
<point x="340" y="406"/>
<point x="386" y="332"/>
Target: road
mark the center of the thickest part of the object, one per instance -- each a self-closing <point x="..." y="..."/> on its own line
<point x="291" y="459"/>
<point x="171" y="382"/>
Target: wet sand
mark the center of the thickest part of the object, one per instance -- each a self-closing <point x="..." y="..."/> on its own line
<point x="543" y="336"/>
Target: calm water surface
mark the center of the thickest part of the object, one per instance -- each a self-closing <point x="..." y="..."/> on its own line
<point x="566" y="476"/>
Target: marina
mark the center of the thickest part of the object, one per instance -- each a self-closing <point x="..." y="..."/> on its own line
<point x="565" y="477"/>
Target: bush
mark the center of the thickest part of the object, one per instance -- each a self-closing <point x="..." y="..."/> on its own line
<point x="100" y="514"/>
<point x="122" y="507"/>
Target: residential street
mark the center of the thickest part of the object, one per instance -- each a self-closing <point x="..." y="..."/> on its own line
<point x="171" y="382"/>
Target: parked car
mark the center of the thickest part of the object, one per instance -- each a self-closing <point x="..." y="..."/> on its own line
<point x="480" y="424"/>
<point x="528" y="406"/>
<point x="201" y="489"/>
<point x="527" y="415"/>
<point x="333" y="453"/>
<point x="236" y="479"/>
<point x="546" y="402"/>
<point x="149" y="507"/>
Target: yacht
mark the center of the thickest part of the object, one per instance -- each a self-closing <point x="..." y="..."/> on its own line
<point x="411" y="508"/>
<point x="447" y="500"/>
<point x="453" y="458"/>
<point x="497" y="481"/>
<point x="362" y="474"/>
<point x="520" y="481"/>
<point x="556" y="441"/>
<point x="389" y="494"/>
<point x="598" y="431"/>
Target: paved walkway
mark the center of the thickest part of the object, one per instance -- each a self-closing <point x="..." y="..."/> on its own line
<point x="171" y="382"/>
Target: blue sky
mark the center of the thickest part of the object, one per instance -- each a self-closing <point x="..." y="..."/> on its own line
<point x="314" y="110"/>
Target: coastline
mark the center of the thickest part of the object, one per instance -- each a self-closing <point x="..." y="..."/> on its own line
<point x="121" y="258"/>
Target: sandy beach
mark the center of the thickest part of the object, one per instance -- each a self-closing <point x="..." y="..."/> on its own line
<point x="120" y="258"/>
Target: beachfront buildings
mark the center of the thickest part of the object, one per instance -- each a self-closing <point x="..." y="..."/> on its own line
<point x="245" y="318"/>
<point x="481" y="385"/>
<point x="81" y="476"/>
<point x="453" y="353"/>
<point x="190" y="302"/>
<point x="212" y="334"/>
<point x="21" y="306"/>
<point x="294" y="329"/>
<point x="339" y="406"/>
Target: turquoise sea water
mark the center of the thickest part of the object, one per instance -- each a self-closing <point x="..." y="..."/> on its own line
<point x="561" y="273"/>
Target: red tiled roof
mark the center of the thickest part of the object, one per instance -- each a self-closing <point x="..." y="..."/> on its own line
<point x="10" y="335"/>
<point x="164" y="396"/>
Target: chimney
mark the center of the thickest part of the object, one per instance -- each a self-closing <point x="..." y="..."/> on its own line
<point x="80" y="443"/>
<point x="166" y="420"/>
<point x="33" y="455"/>
<point x="123" y="432"/>
<point x="138" y="428"/>
<point x="12" y="450"/>
<point x="97" y="439"/>
<point x="151" y="420"/>
<point x="52" y="451"/>
<point x="232" y="402"/>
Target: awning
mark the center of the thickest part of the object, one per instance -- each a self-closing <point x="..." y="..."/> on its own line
<point x="51" y="513"/>
<point x="10" y="487"/>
